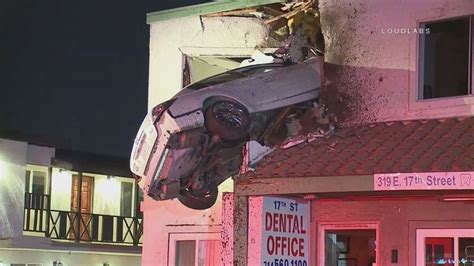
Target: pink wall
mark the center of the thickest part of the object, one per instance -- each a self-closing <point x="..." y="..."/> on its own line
<point x="398" y="219"/>
<point x="227" y="237"/>
<point x="171" y="217"/>
<point x="373" y="75"/>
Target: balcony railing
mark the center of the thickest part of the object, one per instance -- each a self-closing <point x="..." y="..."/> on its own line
<point x="79" y="227"/>
<point x="35" y="215"/>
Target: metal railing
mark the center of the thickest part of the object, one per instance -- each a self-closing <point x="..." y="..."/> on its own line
<point x="83" y="227"/>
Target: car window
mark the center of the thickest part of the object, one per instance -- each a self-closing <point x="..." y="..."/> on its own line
<point x="233" y="75"/>
<point x="217" y="79"/>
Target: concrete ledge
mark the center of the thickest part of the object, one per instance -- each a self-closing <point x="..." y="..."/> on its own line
<point x="303" y="185"/>
<point x="46" y="244"/>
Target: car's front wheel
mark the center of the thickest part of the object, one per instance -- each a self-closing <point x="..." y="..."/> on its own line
<point x="228" y="119"/>
<point x="199" y="198"/>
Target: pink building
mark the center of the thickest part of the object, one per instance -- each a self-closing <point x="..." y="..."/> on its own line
<point x="392" y="186"/>
<point x="398" y="192"/>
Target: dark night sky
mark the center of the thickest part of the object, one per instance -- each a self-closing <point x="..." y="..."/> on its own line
<point x="75" y="73"/>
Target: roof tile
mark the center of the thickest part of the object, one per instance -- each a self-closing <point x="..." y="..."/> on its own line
<point x="402" y="146"/>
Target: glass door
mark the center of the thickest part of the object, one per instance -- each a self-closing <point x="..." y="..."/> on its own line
<point x="348" y="244"/>
<point x="448" y="247"/>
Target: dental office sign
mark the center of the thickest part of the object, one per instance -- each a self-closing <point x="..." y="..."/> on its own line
<point x="278" y="231"/>
<point x="425" y="181"/>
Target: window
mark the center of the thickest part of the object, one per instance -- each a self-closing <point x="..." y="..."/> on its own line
<point x="207" y="252"/>
<point x="446" y="61"/>
<point x="194" y="249"/>
<point x="197" y="68"/>
<point x="126" y="199"/>
<point x="217" y="79"/>
<point x="348" y="244"/>
<point x="185" y="250"/>
<point x="36" y="180"/>
<point x="138" y="212"/>
<point x="445" y="247"/>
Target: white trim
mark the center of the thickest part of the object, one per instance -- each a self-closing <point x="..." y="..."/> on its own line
<point x="421" y="234"/>
<point x="357" y="225"/>
<point x="71" y="251"/>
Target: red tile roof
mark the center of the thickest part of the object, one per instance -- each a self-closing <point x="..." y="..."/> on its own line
<point x="402" y="146"/>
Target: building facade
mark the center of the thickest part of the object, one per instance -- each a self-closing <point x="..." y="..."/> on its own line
<point x="48" y="218"/>
<point x="394" y="184"/>
<point x="186" y="45"/>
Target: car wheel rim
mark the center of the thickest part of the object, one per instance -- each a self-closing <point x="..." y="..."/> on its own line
<point x="199" y="184"/>
<point x="230" y="115"/>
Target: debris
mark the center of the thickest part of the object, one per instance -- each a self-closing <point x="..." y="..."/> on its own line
<point x="257" y="58"/>
<point x="247" y="12"/>
<point x="293" y="126"/>
<point x="272" y="11"/>
<point x="308" y="138"/>
<point x="292" y="143"/>
<point x="313" y="137"/>
<point x="297" y="43"/>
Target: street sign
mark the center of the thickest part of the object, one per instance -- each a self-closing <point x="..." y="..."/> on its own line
<point x="425" y="181"/>
<point x="278" y="231"/>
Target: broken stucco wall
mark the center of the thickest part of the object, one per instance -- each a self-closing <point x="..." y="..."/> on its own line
<point x="227" y="235"/>
<point x="372" y="74"/>
<point x="170" y="39"/>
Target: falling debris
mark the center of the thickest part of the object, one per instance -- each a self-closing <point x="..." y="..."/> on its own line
<point x="308" y="138"/>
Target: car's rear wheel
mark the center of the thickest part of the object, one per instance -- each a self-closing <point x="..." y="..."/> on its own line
<point x="199" y="198"/>
<point x="228" y="119"/>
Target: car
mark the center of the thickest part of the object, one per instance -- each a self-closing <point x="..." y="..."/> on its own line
<point x="188" y="145"/>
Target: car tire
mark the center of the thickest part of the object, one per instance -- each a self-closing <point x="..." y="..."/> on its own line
<point x="228" y="119"/>
<point x="202" y="201"/>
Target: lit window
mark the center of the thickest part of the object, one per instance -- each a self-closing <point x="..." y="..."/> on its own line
<point x="445" y="247"/>
<point x="195" y="249"/>
<point x="446" y="58"/>
<point x="36" y="180"/>
<point x="208" y="252"/>
<point x="141" y="196"/>
<point x="185" y="250"/>
<point x="126" y="199"/>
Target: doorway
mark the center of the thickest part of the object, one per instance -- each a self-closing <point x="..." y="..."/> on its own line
<point x="348" y="244"/>
<point x="85" y="223"/>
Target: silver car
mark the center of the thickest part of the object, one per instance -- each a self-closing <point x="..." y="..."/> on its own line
<point x="190" y="144"/>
